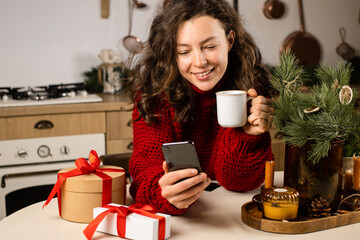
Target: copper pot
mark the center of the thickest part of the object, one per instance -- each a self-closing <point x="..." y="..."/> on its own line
<point x="303" y="44"/>
<point x="273" y="9"/>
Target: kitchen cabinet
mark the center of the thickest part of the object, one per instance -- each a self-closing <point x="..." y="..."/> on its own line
<point x="21" y="127"/>
<point x="108" y="117"/>
<point x="119" y="132"/>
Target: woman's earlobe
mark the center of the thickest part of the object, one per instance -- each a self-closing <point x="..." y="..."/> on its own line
<point x="231" y="39"/>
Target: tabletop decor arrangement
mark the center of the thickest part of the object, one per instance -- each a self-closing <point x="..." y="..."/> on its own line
<point x="315" y="124"/>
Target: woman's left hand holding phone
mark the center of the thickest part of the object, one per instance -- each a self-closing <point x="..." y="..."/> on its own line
<point x="182" y="187"/>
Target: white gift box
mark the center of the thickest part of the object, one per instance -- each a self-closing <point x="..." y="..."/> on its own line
<point x="137" y="226"/>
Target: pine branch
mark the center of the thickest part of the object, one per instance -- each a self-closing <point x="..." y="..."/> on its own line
<point x="328" y="74"/>
<point x="288" y="75"/>
<point x="315" y="117"/>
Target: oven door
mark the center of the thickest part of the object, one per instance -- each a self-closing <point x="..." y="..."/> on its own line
<point x="27" y="184"/>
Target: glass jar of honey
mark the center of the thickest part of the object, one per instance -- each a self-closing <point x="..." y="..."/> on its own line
<point x="280" y="203"/>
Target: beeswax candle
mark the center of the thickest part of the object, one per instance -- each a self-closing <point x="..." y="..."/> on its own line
<point x="356" y="172"/>
<point x="269" y="174"/>
<point x="280" y="203"/>
<point x="348" y="182"/>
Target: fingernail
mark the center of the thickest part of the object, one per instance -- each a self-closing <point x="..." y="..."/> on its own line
<point x="193" y="171"/>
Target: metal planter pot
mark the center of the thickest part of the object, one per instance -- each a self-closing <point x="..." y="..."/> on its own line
<point x="323" y="179"/>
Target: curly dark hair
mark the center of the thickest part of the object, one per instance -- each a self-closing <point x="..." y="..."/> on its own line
<point x="156" y="75"/>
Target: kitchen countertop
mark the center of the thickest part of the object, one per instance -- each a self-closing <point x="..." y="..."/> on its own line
<point x="216" y="215"/>
<point x="111" y="102"/>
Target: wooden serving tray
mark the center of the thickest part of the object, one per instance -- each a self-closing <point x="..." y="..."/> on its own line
<point x="252" y="217"/>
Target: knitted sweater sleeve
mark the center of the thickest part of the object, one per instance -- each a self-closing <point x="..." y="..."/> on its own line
<point x="240" y="166"/>
<point x="146" y="162"/>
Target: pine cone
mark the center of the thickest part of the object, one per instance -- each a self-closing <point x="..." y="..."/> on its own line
<point x="319" y="208"/>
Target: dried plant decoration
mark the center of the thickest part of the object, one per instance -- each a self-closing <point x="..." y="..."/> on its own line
<point x="321" y="115"/>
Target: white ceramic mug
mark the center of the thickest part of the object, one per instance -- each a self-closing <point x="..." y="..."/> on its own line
<point x="231" y="108"/>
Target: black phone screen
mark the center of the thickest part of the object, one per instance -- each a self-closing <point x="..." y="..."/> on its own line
<point x="180" y="155"/>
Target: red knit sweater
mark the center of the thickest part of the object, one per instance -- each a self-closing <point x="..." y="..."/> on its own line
<point x="235" y="159"/>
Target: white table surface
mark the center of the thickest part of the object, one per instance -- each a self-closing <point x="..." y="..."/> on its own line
<point x="216" y="215"/>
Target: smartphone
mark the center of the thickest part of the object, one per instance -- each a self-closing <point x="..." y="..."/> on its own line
<point x="180" y="155"/>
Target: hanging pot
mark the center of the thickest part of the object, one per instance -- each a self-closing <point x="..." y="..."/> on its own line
<point x="139" y="4"/>
<point x="273" y="9"/>
<point x="323" y="179"/>
<point x="304" y="45"/>
<point x="344" y="49"/>
<point x="132" y="43"/>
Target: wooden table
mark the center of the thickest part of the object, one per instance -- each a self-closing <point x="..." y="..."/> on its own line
<point x="216" y="215"/>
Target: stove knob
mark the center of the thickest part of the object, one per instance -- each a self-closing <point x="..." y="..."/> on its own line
<point x="22" y="153"/>
<point x="5" y="98"/>
<point x="72" y="94"/>
<point x="82" y="93"/>
<point x="65" y="150"/>
<point x="44" y="151"/>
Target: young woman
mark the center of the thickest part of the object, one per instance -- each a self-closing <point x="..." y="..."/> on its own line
<point x="196" y="48"/>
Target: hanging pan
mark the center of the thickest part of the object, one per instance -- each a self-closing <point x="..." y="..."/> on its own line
<point x="344" y="49"/>
<point x="303" y="44"/>
<point x="130" y="42"/>
<point x="273" y="9"/>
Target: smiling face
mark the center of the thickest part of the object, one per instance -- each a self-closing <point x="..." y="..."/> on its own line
<point x="202" y="51"/>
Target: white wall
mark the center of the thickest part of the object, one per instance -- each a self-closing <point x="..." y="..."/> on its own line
<point x="322" y="18"/>
<point x="50" y="41"/>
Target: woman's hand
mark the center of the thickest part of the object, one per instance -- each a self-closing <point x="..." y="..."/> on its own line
<point x="182" y="193"/>
<point x="260" y="118"/>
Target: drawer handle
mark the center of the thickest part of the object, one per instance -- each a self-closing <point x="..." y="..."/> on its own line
<point x="129" y="123"/>
<point x="3" y="183"/>
<point x="130" y="146"/>
<point x="44" y="124"/>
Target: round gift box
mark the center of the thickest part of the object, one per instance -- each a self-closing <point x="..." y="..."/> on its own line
<point x="81" y="194"/>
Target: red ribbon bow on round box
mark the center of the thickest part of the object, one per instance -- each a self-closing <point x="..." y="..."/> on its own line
<point x="87" y="177"/>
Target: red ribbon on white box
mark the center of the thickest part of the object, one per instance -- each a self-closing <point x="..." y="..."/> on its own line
<point x="122" y="212"/>
<point x="84" y="167"/>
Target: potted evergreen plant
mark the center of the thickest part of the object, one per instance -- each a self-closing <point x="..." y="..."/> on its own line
<point x="315" y="124"/>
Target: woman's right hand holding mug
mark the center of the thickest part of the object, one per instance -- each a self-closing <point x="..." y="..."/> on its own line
<point x="232" y="111"/>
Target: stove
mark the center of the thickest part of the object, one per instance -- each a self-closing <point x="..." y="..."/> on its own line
<point x="29" y="167"/>
<point x="45" y="95"/>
